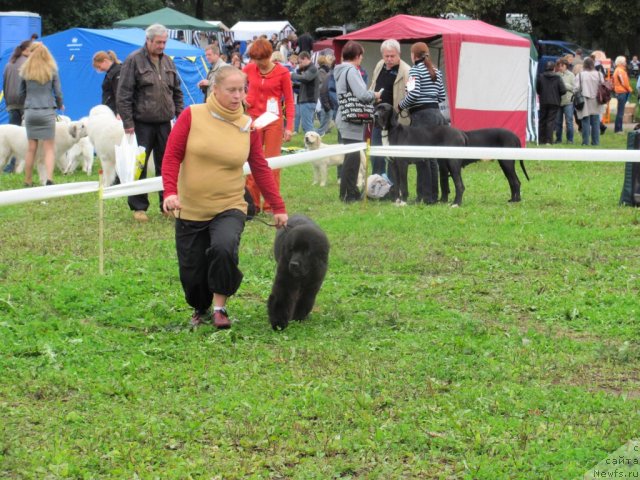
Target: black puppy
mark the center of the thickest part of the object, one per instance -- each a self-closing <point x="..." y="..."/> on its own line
<point x="394" y="133"/>
<point x="302" y="255"/>
<point x="484" y="137"/>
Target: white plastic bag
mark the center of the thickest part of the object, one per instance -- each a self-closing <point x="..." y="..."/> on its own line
<point x="129" y="159"/>
<point x="378" y="186"/>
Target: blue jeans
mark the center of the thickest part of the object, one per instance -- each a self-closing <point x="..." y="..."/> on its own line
<point x="378" y="164"/>
<point x="622" y="101"/>
<point x="591" y="128"/>
<point x="307" y="112"/>
<point x="325" y="119"/>
<point x="565" y="115"/>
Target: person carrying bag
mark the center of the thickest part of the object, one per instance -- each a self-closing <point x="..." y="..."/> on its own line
<point x="349" y="81"/>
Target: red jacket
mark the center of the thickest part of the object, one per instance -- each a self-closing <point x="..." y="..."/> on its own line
<point x="276" y="84"/>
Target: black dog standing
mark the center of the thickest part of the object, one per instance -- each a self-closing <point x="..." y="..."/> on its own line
<point x="302" y="255"/>
<point x="444" y="136"/>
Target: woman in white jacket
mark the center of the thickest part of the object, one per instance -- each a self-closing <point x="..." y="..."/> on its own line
<point x="587" y="83"/>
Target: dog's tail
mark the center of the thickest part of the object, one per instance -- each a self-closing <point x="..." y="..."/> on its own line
<point x="524" y="170"/>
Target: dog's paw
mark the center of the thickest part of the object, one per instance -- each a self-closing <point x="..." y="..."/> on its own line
<point x="400" y="203"/>
<point x="454" y="205"/>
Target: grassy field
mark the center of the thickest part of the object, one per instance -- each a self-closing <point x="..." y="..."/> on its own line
<point x="492" y="341"/>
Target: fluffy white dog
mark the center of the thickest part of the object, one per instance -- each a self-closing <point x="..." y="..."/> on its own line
<point x="105" y="132"/>
<point x="80" y="154"/>
<point x="313" y="141"/>
<point x="13" y="143"/>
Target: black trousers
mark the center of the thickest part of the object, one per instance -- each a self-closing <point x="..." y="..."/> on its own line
<point x="152" y="136"/>
<point x="547" y="123"/>
<point x="349" y="191"/>
<point x="208" y="257"/>
<point x="427" y="178"/>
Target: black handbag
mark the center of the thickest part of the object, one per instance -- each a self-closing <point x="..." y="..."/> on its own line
<point x="353" y="110"/>
<point x="578" y="101"/>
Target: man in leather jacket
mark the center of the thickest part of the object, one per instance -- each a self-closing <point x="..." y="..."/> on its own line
<point x="149" y="97"/>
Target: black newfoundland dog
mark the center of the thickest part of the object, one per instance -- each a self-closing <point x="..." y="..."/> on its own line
<point x="445" y="136"/>
<point x="302" y="254"/>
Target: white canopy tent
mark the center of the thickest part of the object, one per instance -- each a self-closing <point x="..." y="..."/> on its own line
<point x="244" y="31"/>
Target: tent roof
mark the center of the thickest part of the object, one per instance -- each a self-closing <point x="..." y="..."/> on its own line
<point x="408" y="27"/>
<point x="170" y="18"/>
<point x="73" y="51"/>
<point x="219" y="24"/>
<point x="125" y="36"/>
<point x="246" y="30"/>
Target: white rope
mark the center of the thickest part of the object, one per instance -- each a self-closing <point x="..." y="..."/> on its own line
<point x="154" y="184"/>
<point x="539" y="154"/>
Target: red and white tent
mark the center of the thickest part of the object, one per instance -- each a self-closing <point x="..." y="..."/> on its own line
<point x="486" y="68"/>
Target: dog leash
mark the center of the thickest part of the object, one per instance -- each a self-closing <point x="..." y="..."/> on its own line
<point x="267" y="223"/>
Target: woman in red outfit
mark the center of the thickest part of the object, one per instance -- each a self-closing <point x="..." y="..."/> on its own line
<point x="269" y="85"/>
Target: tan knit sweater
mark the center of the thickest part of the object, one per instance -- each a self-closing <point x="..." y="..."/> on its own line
<point x="211" y="179"/>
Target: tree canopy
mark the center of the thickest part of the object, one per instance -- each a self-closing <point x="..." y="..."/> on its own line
<point x="610" y="26"/>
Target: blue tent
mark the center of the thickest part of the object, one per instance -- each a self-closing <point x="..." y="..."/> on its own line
<point x="73" y="50"/>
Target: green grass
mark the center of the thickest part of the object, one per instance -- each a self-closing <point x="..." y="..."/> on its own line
<point x="492" y="341"/>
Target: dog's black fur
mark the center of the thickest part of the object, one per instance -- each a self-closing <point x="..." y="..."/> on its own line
<point x="484" y="137"/>
<point x="302" y="255"/>
<point x="386" y="119"/>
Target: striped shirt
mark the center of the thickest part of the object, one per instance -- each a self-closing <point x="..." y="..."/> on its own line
<point x="421" y="90"/>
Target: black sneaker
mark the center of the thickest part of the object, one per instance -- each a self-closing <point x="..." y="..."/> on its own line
<point x="199" y="318"/>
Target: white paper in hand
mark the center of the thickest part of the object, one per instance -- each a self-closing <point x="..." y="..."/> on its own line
<point x="265" y="119"/>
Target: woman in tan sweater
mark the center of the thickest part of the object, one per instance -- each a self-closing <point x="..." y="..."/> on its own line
<point x="204" y="187"/>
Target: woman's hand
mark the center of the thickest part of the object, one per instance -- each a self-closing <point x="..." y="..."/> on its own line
<point x="280" y="219"/>
<point x="286" y="136"/>
<point x="171" y="203"/>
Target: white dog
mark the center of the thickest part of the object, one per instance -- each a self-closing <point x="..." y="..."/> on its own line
<point x="13" y="142"/>
<point x="105" y="132"/>
<point x="80" y="154"/>
<point x="313" y="141"/>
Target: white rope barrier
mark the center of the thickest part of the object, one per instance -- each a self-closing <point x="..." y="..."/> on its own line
<point x="149" y="185"/>
<point x="22" y="195"/>
<point x="154" y="184"/>
<point x="544" y="154"/>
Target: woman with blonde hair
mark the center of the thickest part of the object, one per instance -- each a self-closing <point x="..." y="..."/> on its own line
<point x="108" y="62"/>
<point x="40" y="87"/>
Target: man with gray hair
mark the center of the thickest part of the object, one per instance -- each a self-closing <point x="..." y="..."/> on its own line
<point x="148" y="98"/>
<point x="391" y="74"/>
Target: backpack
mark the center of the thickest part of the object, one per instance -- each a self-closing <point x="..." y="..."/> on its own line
<point x="604" y="92"/>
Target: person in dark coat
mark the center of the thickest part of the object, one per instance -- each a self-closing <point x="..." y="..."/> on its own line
<point x="550" y="89"/>
<point x="108" y="62"/>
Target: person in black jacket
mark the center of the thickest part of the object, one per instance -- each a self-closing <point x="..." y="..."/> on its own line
<point x="149" y="97"/>
<point x="550" y="89"/>
<point x="309" y="90"/>
<point x="108" y="62"/>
